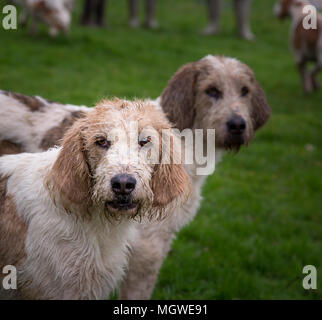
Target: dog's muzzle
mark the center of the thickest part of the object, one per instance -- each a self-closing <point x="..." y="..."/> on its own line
<point x="122" y="186"/>
<point x="236" y="127"/>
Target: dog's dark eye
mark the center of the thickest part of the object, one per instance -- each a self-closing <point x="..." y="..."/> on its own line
<point x="144" y="141"/>
<point x="214" y="92"/>
<point x="244" y="91"/>
<point x="103" y="143"/>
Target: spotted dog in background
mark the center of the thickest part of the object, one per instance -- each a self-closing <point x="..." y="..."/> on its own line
<point x="33" y="124"/>
<point x="56" y="14"/>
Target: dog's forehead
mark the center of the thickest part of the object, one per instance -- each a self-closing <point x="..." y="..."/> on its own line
<point x="219" y="68"/>
<point x="121" y="113"/>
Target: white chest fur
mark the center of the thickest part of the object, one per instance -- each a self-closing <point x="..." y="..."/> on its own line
<point x="66" y="257"/>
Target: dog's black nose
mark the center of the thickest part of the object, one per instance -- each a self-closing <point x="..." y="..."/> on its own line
<point x="236" y="125"/>
<point x="123" y="184"/>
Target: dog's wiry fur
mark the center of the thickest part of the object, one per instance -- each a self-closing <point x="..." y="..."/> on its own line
<point x="306" y="44"/>
<point x="189" y="102"/>
<point x="62" y="223"/>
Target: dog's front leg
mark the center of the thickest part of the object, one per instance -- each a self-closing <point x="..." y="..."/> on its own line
<point x="148" y="252"/>
<point x="314" y="73"/>
<point x="305" y="77"/>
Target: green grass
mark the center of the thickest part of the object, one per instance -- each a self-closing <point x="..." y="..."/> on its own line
<point x="260" y="221"/>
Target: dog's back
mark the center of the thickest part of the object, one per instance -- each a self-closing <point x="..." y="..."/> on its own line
<point x="33" y="124"/>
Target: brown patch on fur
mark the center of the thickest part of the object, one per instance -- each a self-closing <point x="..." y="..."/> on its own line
<point x="13" y="231"/>
<point x="305" y="37"/>
<point x="178" y="98"/>
<point x="54" y="136"/>
<point x="70" y="176"/>
<point x="8" y="147"/>
<point x="41" y="7"/>
<point x="285" y="4"/>
<point x="33" y="103"/>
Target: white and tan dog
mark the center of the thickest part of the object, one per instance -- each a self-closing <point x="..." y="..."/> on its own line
<point x="213" y="93"/>
<point x="306" y="44"/>
<point x="55" y="13"/>
<point x="67" y="215"/>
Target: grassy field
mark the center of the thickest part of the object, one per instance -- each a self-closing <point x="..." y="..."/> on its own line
<point x="261" y="219"/>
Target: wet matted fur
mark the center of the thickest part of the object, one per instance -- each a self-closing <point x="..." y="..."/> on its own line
<point x="63" y="223"/>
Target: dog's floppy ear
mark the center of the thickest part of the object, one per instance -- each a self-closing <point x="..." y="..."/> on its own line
<point x="70" y="176"/>
<point x="260" y="108"/>
<point x="168" y="183"/>
<point x="261" y="111"/>
<point x="170" y="180"/>
<point x="178" y="98"/>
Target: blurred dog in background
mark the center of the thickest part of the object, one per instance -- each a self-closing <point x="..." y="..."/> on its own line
<point x="56" y="14"/>
<point x="33" y="124"/>
<point x="306" y="43"/>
